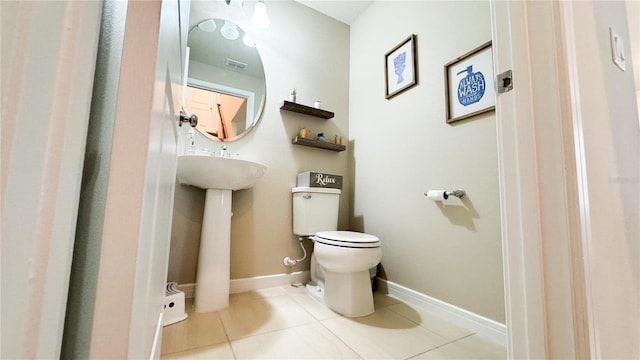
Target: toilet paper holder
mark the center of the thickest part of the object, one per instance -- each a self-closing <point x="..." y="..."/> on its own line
<point x="459" y="193"/>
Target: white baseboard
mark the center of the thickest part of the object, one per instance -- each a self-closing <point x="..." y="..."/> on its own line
<point x="262" y="282"/>
<point x="486" y="328"/>
<point x="255" y="283"/>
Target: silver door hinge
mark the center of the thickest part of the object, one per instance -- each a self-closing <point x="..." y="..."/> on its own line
<point x="504" y="82"/>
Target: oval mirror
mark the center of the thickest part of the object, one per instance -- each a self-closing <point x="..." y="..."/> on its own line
<point x="226" y="85"/>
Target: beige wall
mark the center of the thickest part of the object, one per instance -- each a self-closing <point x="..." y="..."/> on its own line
<point x="301" y="49"/>
<point x="450" y="253"/>
<point x="403" y="147"/>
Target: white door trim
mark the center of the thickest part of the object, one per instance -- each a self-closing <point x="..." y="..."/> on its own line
<point x="524" y="303"/>
<point x="585" y="335"/>
<point x="543" y="185"/>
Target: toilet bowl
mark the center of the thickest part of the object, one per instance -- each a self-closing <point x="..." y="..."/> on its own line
<point x="341" y="260"/>
<point x="345" y="258"/>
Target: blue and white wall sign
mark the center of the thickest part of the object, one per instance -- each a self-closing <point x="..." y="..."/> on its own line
<point x="400" y="67"/>
<point x="469" y="84"/>
<point x="471" y="87"/>
<point x="399" y="64"/>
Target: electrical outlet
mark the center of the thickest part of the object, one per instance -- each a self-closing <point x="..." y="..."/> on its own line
<point x="617" y="50"/>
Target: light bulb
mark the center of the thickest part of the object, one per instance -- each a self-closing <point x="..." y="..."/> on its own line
<point x="229" y="30"/>
<point x="207" y="25"/>
<point x="248" y="40"/>
<point x="260" y="18"/>
<point x="235" y="9"/>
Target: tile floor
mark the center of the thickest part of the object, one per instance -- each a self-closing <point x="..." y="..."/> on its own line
<point x="288" y="323"/>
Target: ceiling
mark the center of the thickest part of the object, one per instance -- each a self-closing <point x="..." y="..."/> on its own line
<point x="345" y="11"/>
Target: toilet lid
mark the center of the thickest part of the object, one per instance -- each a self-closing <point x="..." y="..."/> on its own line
<point x="347" y="239"/>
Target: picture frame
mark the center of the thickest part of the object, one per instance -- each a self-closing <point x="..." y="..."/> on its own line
<point x="468" y="84"/>
<point x="400" y="70"/>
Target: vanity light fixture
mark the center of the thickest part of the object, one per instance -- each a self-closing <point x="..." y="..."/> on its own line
<point x="229" y="30"/>
<point x="260" y="18"/>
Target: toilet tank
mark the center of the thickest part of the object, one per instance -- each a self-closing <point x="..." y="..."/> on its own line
<point x="315" y="209"/>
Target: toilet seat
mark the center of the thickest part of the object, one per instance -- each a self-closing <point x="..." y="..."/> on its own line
<point x="348" y="239"/>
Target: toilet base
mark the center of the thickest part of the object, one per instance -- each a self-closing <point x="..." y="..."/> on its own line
<point x="316" y="291"/>
<point x="349" y="293"/>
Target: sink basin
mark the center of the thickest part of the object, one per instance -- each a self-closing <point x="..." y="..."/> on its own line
<point x="208" y="172"/>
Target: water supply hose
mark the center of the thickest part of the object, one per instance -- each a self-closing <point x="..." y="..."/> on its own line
<point x="290" y="262"/>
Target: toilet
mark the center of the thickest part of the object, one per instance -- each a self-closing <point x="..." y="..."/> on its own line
<point x="341" y="260"/>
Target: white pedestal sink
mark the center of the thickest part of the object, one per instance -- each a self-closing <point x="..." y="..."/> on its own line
<point x="219" y="176"/>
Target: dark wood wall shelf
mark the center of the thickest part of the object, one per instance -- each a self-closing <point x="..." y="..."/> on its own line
<point x="307" y="110"/>
<point x="318" y="144"/>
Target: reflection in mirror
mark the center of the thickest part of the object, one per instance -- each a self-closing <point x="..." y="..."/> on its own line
<point x="226" y="85"/>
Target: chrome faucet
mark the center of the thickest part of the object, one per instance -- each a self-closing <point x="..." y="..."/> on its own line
<point x="223" y="151"/>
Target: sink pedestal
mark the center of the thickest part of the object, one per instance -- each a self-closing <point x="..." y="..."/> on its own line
<point x="219" y="176"/>
<point x="212" y="280"/>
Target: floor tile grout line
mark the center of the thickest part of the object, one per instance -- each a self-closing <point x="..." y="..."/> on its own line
<point x="179" y="323"/>
<point x="295" y="297"/>
<point x="339" y="338"/>
<point x="406" y="318"/>
<point x="200" y="347"/>
<point x="303" y="308"/>
<point x="419" y="324"/>
<point x="275" y="330"/>
<point x="285" y="294"/>
<point x="226" y="335"/>
<point x="252" y="298"/>
<point x="229" y="340"/>
<point x="441" y="345"/>
<point x="320" y="322"/>
<point x="207" y="345"/>
<point x="388" y="307"/>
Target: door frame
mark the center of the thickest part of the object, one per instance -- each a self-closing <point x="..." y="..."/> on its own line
<point x="543" y="193"/>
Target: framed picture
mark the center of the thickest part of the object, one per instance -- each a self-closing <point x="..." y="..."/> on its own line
<point x="468" y="84"/>
<point x="400" y="71"/>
